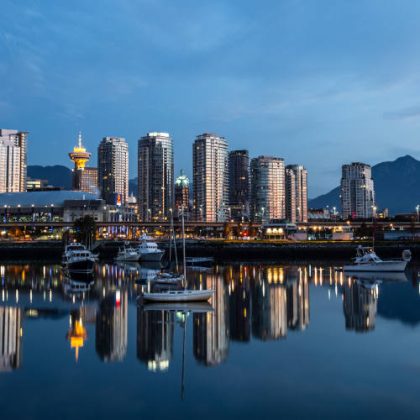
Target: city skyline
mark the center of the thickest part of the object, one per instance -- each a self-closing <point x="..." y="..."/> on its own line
<point x="337" y="86"/>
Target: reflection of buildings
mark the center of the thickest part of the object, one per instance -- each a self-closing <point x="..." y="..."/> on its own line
<point x="297" y="290"/>
<point x="211" y="334"/>
<point x="239" y="306"/>
<point x="155" y="336"/>
<point x="77" y="333"/>
<point x="269" y="307"/>
<point x="360" y="304"/>
<point x="10" y="338"/>
<point x="111" y="327"/>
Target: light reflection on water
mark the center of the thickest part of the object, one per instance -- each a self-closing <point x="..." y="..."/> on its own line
<point x="253" y="303"/>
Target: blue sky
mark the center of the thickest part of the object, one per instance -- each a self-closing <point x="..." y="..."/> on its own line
<point x="318" y="82"/>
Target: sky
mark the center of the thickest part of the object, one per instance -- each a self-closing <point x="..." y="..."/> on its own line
<point x="317" y="82"/>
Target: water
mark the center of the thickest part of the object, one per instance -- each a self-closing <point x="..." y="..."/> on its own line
<point x="278" y="341"/>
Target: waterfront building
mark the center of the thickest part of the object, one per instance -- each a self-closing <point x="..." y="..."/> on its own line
<point x="357" y="191"/>
<point x="111" y="327"/>
<point x="155" y="338"/>
<point x="182" y="195"/>
<point x="268" y="196"/>
<point x="210" y="178"/>
<point x="296" y="194"/>
<point x="10" y="338"/>
<point x="13" y="157"/>
<point x="239" y="185"/>
<point x="84" y="178"/>
<point x="155" y="176"/>
<point x="113" y="170"/>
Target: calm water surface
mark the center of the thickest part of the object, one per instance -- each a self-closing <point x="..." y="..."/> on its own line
<point x="290" y="341"/>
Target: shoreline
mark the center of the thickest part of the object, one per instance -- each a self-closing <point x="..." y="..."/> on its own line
<point x="221" y="250"/>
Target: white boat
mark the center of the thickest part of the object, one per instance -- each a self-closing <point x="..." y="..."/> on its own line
<point x="128" y="254"/>
<point x="80" y="262"/>
<point x="366" y="260"/>
<point x="184" y="295"/>
<point x="69" y="249"/>
<point x="149" y="250"/>
<point x="168" y="278"/>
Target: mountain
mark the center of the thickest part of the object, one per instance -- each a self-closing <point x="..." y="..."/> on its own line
<point x="58" y="175"/>
<point x="397" y="187"/>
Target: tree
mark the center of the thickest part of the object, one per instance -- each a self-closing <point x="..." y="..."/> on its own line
<point x="85" y="229"/>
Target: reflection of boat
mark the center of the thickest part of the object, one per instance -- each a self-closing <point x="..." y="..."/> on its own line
<point x="378" y="277"/>
<point x="149" y="250"/>
<point x="74" y="287"/>
<point x="195" y="307"/>
<point x="184" y="295"/>
<point x="366" y="260"/>
<point x="148" y="274"/>
<point x="199" y="261"/>
<point x="127" y="253"/>
<point x="168" y="278"/>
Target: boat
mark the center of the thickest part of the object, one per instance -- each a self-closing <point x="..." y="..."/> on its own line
<point x="128" y="253"/>
<point x="80" y="262"/>
<point x="69" y="249"/>
<point x="183" y="295"/>
<point x="149" y="250"/>
<point x="366" y="260"/>
<point x="168" y="278"/>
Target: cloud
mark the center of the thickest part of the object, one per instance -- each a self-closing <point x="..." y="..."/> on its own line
<point x="403" y="114"/>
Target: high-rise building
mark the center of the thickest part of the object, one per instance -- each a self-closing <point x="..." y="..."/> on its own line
<point x="113" y="170"/>
<point x="210" y="178"/>
<point x="239" y="184"/>
<point x="296" y="194"/>
<point x="182" y="194"/>
<point x="268" y="195"/>
<point x="84" y="178"/>
<point x="13" y="156"/>
<point x="155" y="176"/>
<point x="357" y="191"/>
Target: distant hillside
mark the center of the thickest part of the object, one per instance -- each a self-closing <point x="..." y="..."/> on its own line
<point x="58" y="175"/>
<point x="397" y="187"/>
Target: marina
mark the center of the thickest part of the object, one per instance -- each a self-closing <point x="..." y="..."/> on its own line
<point x="307" y="329"/>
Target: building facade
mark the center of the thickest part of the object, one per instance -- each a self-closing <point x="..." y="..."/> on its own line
<point x="13" y="160"/>
<point x="296" y="194"/>
<point x="182" y="195"/>
<point x="113" y="170"/>
<point x="239" y="185"/>
<point x="210" y="178"/>
<point x="357" y="191"/>
<point x="268" y="195"/>
<point x="155" y="176"/>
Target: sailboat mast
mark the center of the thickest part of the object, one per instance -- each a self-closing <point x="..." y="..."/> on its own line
<point x="183" y="246"/>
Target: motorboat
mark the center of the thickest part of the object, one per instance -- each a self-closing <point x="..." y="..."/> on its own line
<point x="184" y="295"/>
<point x="366" y="260"/>
<point x="149" y="250"/>
<point x="69" y="249"/>
<point x="81" y="261"/>
<point x="128" y="254"/>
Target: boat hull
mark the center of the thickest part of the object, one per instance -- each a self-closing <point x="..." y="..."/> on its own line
<point x="379" y="267"/>
<point x="152" y="257"/>
<point x="83" y="266"/>
<point x="179" y="296"/>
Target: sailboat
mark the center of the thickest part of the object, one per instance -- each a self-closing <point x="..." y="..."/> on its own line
<point x="185" y="294"/>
